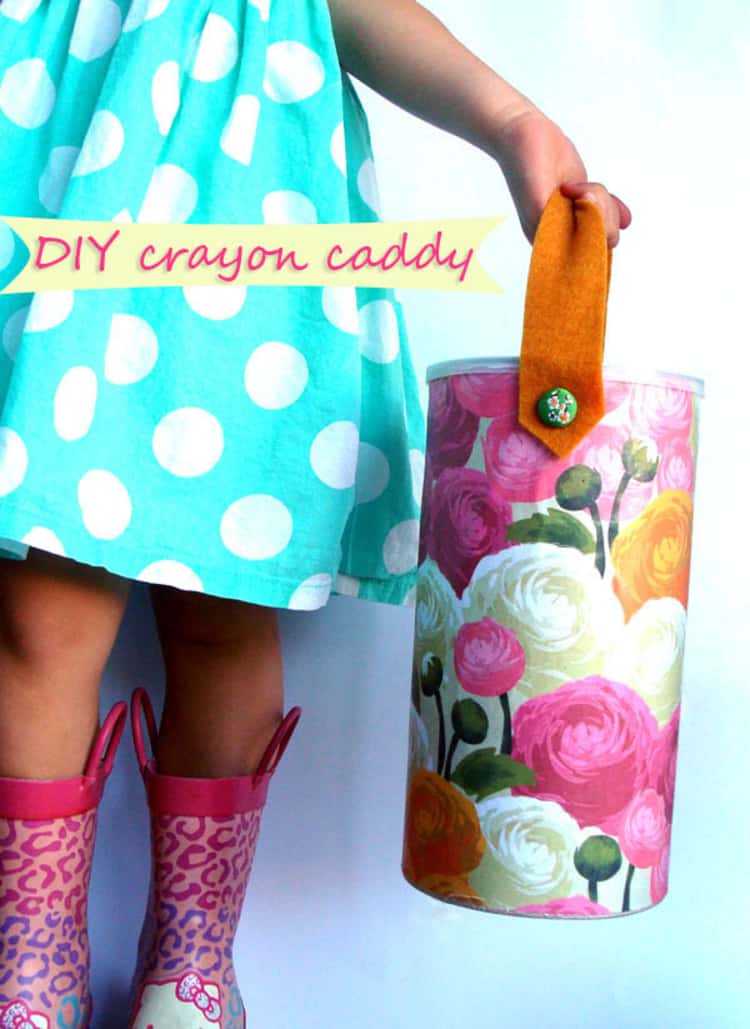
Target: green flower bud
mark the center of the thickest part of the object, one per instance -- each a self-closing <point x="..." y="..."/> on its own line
<point x="641" y="459"/>
<point x="432" y="674"/>
<point x="579" y="486"/>
<point x="470" y="721"/>
<point x="598" y="858"/>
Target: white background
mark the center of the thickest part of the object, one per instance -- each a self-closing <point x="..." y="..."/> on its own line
<point x="655" y="96"/>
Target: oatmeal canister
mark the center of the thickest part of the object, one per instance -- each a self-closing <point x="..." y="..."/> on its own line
<point x="550" y="618"/>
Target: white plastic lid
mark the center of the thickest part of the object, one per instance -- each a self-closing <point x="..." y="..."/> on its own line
<point x="652" y="376"/>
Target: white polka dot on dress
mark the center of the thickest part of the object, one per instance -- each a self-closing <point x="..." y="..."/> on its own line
<point x="288" y="207"/>
<point x="340" y="307"/>
<point x="373" y="473"/>
<point x="417" y="462"/>
<point x="263" y="7"/>
<point x="14" y="460"/>
<point x="45" y="539"/>
<point x="379" y="336"/>
<point x="105" y="504"/>
<point x="293" y="73"/>
<point x="400" y="549"/>
<point x="96" y="29"/>
<point x="49" y="309"/>
<point x="334" y="453"/>
<point x="238" y="135"/>
<point x="165" y="95"/>
<point x="312" y="593"/>
<point x="143" y="10"/>
<point x="13" y="331"/>
<point x="338" y="147"/>
<point x="27" y="93"/>
<point x="368" y="186"/>
<point x="188" y="441"/>
<point x="132" y="350"/>
<point x="75" y="402"/>
<point x="276" y="375"/>
<point x="215" y="302"/>
<point x="171" y="196"/>
<point x="216" y="50"/>
<point x="19" y="10"/>
<point x="256" y="527"/>
<point x="171" y="573"/>
<point x="102" y="144"/>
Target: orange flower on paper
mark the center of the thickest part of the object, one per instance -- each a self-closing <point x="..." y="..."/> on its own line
<point x="451" y="887"/>
<point x="442" y="834"/>
<point x="651" y="555"/>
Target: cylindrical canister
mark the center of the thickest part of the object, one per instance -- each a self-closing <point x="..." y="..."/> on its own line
<point x="549" y="636"/>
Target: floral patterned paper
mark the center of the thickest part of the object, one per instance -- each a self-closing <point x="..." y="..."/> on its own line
<point x="549" y="638"/>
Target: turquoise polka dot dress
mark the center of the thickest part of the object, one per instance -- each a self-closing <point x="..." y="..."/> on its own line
<point x="264" y="443"/>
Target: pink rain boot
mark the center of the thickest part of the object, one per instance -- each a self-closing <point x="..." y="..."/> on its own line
<point x="203" y="838"/>
<point x="47" y="832"/>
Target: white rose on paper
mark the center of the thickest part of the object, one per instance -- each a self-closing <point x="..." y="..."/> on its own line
<point x="565" y="615"/>
<point x="648" y="655"/>
<point x="529" y="855"/>
<point x="437" y="615"/>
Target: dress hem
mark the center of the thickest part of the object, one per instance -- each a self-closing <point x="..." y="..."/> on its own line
<point x="257" y="588"/>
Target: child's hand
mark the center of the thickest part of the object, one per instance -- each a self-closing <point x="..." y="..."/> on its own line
<point x="536" y="158"/>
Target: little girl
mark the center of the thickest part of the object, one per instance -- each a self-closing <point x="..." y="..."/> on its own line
<point x="240" y="450"/>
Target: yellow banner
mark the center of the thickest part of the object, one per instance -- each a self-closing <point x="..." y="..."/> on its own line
<point x="67" y="254"/>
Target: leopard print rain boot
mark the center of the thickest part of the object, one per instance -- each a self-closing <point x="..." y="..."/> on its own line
<point x="203" y="838"/>
<point x="47" y="834"/>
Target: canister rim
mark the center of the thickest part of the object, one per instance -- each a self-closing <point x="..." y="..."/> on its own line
<point x="464" y="365"/>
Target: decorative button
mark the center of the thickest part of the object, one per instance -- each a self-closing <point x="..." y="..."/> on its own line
<point x="557" y="407"/>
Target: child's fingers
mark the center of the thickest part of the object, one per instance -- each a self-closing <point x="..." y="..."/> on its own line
<point x="616" y="215"/>
<point x="625" y="216"/>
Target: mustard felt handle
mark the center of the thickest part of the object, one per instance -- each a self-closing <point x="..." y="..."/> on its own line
<point x="565" y="316"/>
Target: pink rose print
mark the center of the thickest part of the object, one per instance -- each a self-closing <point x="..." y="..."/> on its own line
<point x="17" y="1015"/>
<point x="192" y="990"/>
<point x="519" y="466"/>
<point x="524" y="470"/>
<point x="573" y="907"/>
<point x="488" y="394"/>
<point x="489" y="660"/>
<point x="451" y="429"/>
<point x="466" y="523"/>
<point x="615" y="393"/>
<point x="660" y="412"/>
<point x="425" y="508"/>
<point x="676" y="468"/>
<point x="660" y="876"/>
<point x="588" y="743"/>
<point x="644" y="831"/>
<point x="663" y="762"/>
<point x="493" y="394"/>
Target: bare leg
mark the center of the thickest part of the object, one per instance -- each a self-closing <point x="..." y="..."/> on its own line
<point x="224" y="683"/>
<point x="58" y="622"/>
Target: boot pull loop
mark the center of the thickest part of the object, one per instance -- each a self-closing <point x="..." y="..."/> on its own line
<point x="140" y="701"/>
<point x="107" y="740"/>
<point x="279" y="742"/>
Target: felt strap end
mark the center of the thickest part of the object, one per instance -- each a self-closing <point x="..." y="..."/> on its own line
<point x="565" y="320"/>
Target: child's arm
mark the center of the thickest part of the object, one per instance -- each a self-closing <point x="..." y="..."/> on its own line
<point x="406" y="54"/>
